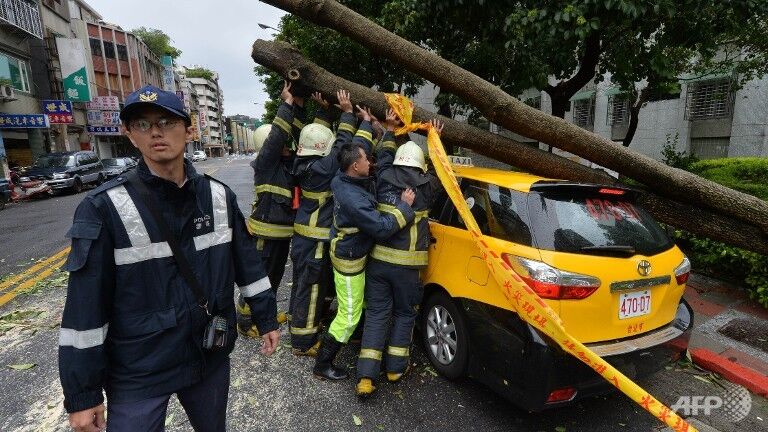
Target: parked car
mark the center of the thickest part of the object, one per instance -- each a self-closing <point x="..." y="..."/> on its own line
<point x="589" y="251"/>
<point x="199" y="155"/>
<point x="68" y="170"/>
<point x="113" y="167"/>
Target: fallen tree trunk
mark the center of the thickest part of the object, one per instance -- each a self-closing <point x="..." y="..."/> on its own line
<point x="286" y="60"/>
<point x="505" y="110"/>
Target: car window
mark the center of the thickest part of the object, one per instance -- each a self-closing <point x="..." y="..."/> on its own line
<point x="587" y="223"/>
<point x="82" y="159"/>
<point x="55" y="161"/>
<point x="498" y="211"/>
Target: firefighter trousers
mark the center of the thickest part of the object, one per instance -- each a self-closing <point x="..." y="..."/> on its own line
<point x="349" y="295"/>
<point x="392" y="295"/>
<point x="312" y="279"/>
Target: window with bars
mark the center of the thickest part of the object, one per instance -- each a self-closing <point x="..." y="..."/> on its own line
<point x="109" y="49"/>
<point x="618" y="110"/>
<point x="584" y="112"/>
<point x="122" y="52"/>
<point x="709" y="99"/>
<point x="710" y="148"/>
<point x="95" y="47"/>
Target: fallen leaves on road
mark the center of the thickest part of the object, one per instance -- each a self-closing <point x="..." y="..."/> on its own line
<point x="25" y="320"/>
<point x="24" y="366"/>
<point x="357" y="420"/>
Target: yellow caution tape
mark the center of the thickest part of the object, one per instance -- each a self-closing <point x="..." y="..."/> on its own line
<point x="528" y="305"/>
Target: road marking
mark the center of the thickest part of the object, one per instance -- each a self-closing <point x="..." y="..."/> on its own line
<point x="32" y="270"/>
<point x="210" y="173"/>
<point x="10" y="295"/>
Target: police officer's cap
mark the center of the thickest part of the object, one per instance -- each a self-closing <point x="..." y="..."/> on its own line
<point x="150" y="95"/>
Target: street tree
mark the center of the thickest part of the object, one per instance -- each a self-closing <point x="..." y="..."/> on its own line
<point x="157" y="41"/>
<point x="505" y="110"/>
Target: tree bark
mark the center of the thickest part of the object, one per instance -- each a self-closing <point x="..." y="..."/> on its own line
<point x="282" y="58"/>
<point x="634" y="111"/>
<point x="505" y="110"/>
<point x="562" y="92"/>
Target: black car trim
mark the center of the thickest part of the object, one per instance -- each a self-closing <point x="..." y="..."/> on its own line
<point x="640" y="283"/>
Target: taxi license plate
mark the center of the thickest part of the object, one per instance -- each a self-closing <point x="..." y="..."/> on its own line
<point x="634" y="304"/>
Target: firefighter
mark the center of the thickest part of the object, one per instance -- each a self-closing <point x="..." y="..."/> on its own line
<point x="271" y="220"/>
<point x="357" y="224"/>
<point x="393" y="290"/>
<point x="315" y="166"/>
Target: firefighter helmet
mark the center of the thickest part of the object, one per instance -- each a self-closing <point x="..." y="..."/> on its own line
<point x="315" y="140"/>
<point x="410" y="154"/>
<point x="261" y="134"/>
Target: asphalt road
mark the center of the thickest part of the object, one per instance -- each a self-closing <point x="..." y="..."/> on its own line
<point x="279" y="393"/>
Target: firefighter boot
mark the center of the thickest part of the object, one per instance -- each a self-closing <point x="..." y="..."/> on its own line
<point x="365" y="387"/>
<point x="324" y="367"/>
<point x="309" y="352"/>
<point x="394" y="377"/>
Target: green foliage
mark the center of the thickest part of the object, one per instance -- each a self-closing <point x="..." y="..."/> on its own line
<point x="729" y="263"/>
<point x="200" y="72"/>
<point x="157" y="41"/>
<point x="674" y="158"/>
<point x="747" y="174"/>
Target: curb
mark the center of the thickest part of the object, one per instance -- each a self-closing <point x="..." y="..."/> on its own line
<point x="733" y="372"/>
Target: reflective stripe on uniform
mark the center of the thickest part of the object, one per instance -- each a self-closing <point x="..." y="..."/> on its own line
<point x="316" y="195"/>
<point x="255" y="288"/>
<point x="277" y="190"/>
<point x="365" y="134"/>
<point x="346" y="127"/>
<point x="282" y="124"/>
<point x="389" y="145"/>
<point x="400" y="257"/>
<point x="322" y="122"/>
<point x="312" y="305"/>
<point x="298" y="123"/>
<point x="259" y="228"/>
<point x="142" y="249"/>
<point x="313" y="232"/>
<point x="394" y="211"/>
<point x="82" y="339"/>
<point x="346" y="266"/>
<point x="367" y="353"/>
<point x="398" y="351"/>
<point x="303" y="331"/>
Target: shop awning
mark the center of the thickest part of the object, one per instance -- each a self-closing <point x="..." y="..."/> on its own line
<point x="582" y="95"/>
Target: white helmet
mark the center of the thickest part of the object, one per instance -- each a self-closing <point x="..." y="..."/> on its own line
<point x="261" y="134"/>
<point x="315" y="140"/>
<point x="410" y="154"/>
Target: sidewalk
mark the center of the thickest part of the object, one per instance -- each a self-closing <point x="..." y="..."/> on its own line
<point x="730" y="334"/>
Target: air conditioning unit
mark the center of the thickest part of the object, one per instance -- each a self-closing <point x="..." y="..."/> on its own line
<point x="6" y="93"/>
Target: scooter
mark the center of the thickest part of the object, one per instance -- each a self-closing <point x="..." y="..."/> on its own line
<point x="24" y="189"/>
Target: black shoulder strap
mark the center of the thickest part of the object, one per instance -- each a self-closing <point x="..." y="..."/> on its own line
<point x="173" y="242"/>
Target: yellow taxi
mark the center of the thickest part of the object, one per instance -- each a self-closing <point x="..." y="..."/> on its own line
<point x="589" y="251"/>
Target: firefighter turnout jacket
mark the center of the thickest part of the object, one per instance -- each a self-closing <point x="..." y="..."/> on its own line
<point x="407" y="247"/>
<point x="131" y="325"/>
<point x="272" y="211"/>
<point x="357" y="221"/>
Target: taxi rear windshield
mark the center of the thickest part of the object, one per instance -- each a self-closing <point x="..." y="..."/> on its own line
<point x="595" y="224"/>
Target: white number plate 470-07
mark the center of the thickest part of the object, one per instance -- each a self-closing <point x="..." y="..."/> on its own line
<point x="634" y="304"/>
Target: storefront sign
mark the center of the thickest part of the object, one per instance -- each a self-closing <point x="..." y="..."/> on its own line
<point x="23" y="121"/>
<point x="104" y="130"/>
<point x="104" y="103"/>
<point x="58" y="111"/>
<point x="73" y="72"/>
<point x="103" y="118"/>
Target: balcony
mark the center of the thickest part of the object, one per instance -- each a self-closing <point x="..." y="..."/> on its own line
<point x="22" y="15"/>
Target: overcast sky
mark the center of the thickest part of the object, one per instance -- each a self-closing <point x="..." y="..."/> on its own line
<point x="214" y="34"/>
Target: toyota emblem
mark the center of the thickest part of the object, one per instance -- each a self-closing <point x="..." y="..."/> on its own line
<point x="644" y="268"/>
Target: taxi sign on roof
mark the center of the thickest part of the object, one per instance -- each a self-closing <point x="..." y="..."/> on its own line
<point x="460" y="160"/>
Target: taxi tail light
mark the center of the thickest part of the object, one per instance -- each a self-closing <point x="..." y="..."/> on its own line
<point x="683" y="271"/>
<point x="562" y="395"/>
<point x="550" y="282"/>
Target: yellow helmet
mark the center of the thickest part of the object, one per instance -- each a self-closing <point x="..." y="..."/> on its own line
<point x="261" y="134"/>
<point x="410" y="154"/>
<point x="315" y="140"/>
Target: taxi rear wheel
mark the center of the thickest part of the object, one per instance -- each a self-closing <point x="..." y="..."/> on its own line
<point x="444" y="332"/>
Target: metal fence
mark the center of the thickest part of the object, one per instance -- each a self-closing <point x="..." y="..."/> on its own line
<point x="22" y="15"/>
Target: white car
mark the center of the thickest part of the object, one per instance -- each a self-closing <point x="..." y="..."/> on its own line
<point x="199" y="155"/>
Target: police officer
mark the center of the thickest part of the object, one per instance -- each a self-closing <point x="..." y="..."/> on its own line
<point x="315" y="166"/>
<point x="356" y="225"/>
<point x="271" y="220"/>
<point x="134" y="320"/>
<point x="393" y="290"/>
